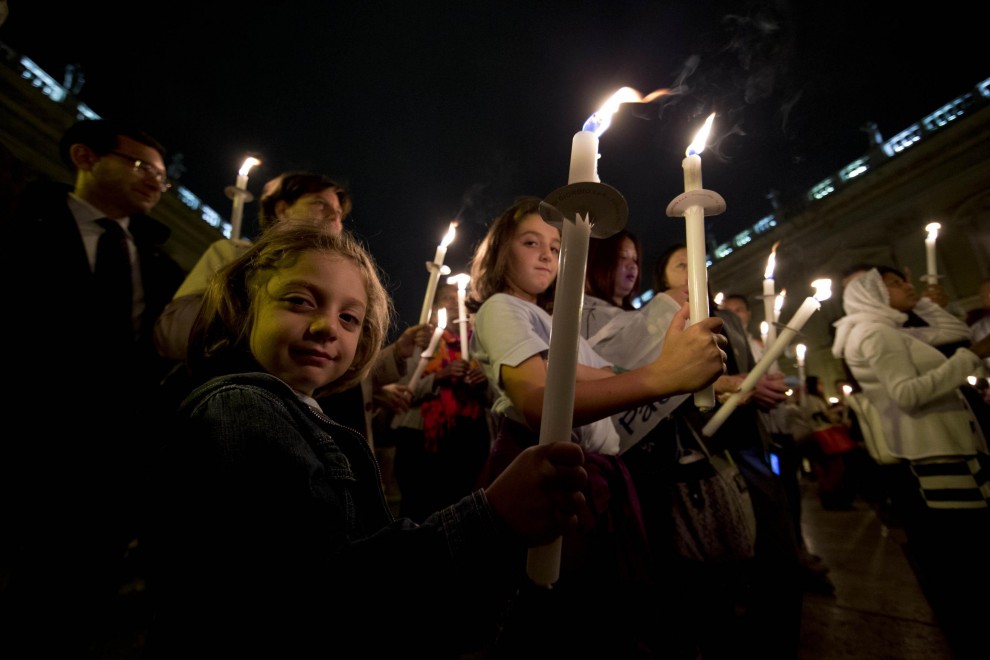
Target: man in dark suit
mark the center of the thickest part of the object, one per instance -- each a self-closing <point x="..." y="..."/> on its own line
<point x="82" y="377"/>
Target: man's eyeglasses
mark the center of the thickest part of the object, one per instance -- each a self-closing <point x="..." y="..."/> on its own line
<point x="147" y="169"/>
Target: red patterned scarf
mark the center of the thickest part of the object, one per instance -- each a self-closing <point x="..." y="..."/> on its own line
<point x="453" y="399"/>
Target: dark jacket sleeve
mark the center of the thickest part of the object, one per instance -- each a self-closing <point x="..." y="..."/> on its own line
<point x="278" y="528"/>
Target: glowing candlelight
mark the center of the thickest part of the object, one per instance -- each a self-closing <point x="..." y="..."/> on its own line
<point x="778" y="304"/>
<point x="764" y="332"/>
<point x="768" y="294"/>
<point x="694" y="220"/>
<point x="719" y="297"/>
<point x="584" y="145"/>
<point x="801" y="349"/>
<point x="425" y="356"/>
<point x="932" y="229"/>
<point x="823" y="290"/>
<point x="240" y="195"/>
<point x="435" y="268"/>
<point x="462" y="280"/>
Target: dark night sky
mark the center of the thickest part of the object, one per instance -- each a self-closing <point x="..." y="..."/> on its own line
<point x="437" y="110"/>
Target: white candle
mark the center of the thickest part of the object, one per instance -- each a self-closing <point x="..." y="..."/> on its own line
<point x="239" y="194"/>
<point x="425" y="356"/>
<point x="584" y="158"/>
<point x="462" y="281"/>
<point x="435" y="267"/>
<point x="808" y="307"/>
<point x="768" y="295"/>
<point x="846" y="391"/>
<point x="557" y="418"/>
<point x="697" y="262"/>
<point x="801" y="349"/>
<point x="778" y="304"/>
<point x="764" y="332"/>
<point x="932" y="229"/>
<point x="584" y="145"/>
<point x="543" y="563"/>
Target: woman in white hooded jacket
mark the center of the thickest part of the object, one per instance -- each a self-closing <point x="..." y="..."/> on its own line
<point x="938" y="472"/>
<point x="913" y="386"/>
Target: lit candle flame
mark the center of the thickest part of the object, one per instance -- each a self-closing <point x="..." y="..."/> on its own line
<point x="449" y="236"/>
<point x="719" y="297"/>
<point x="249" y="162"/>
<point x="823" y="289"/>
<point x="599" y="122"/>
<point x="771" y="262"/>
<point x="240" y="195"/>
<point x="932" y="229"/>
<point x="442" y="318"/>
<point x="461" y="280"/>
<point x="801" y="351"/>
<point x="764" y="329"/>
<point x="847" y="389"/>
<point x="778" y="303"/>
<point x="700" y="138"/>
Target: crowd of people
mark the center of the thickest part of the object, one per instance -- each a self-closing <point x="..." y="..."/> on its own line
<point x="244" y="445"/>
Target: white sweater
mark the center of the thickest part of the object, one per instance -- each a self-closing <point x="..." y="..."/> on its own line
<point x="913" y="386"/>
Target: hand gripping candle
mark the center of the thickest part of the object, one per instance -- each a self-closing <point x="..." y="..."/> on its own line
<point x="823" y="290"/>
<point x="425" y="356"/>
<point x="693" y="205"/>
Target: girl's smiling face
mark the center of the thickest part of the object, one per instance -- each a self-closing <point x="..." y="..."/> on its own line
<point x="307" y="320"/>
<point x="533" y="258"/>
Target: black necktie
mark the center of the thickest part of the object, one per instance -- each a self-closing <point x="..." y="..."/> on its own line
<point x="113" y="277"/>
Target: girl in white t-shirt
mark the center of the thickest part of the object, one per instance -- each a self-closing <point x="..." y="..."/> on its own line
<point x="604" y="563"/>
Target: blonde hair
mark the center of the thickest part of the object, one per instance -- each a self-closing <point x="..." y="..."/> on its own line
<point x="220" y="337"/>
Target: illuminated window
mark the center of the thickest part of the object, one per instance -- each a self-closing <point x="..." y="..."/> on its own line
<point x="765" y="224"/>
<point x="723" y="250"/>
<point x="742" y="238"/>
<point x="822" y="190"/>
<point x="83" y="112"/>
<point x="854" y="169"/>
<point x="902" y="140"/>
<point x="41" y="80"/>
